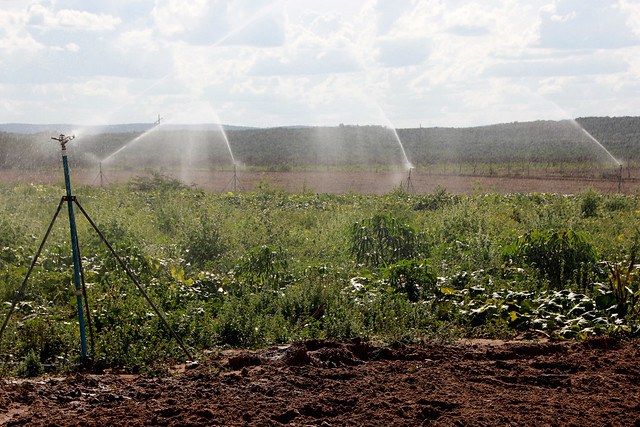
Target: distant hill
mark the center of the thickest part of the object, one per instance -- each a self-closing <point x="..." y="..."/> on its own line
<point x="603" y="140"/>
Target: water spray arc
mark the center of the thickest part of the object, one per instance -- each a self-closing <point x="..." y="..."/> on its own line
<point x="80" y="288"/>
<point x="599" y="144"/>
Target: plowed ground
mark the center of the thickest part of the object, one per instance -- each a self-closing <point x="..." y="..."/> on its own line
<point x="328" y="383"/>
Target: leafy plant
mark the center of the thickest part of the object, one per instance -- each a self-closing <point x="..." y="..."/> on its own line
<point x="156" y="182"/>
<point x="589" y="203"/>
<point x="437" y="200"/>
<point x="45" y="338"/>
<point x="624" y="285"/>
<point x="263" y="266"/>
<point x="31" y="366"/>
<point x="560" y="256"/>
<point x="291" y="257"/>
<point x="382" y="240"/>
<point x="203" y="243"/>
<point x="415" y="279"/>
<point x="9" y="233"/>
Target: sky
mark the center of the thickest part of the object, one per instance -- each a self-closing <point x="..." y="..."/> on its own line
<point x="396" y="63"/>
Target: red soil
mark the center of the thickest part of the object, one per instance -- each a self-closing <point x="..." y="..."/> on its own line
<point x="326" y="383"/>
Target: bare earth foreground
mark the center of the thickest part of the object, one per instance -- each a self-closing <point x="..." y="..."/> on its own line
<point x="477" y="383"/>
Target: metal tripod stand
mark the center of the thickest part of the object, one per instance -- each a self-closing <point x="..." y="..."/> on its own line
<point x="80" y="288"/>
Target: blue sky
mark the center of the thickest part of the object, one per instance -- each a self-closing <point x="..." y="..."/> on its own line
<point x="399" y="63"/>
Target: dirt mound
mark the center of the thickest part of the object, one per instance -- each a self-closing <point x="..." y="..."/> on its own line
<point x="329" y="383"/>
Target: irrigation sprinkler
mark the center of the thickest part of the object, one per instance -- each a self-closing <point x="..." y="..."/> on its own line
<point x="234" y="180"/>
<point x="64" y="140"/>
<point x="99" y="176"/>
<point x="620" y="179"/>
<point x="409" y="185"/>
<point x="80" y="288"/>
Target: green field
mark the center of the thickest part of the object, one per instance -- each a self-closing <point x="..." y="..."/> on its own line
<point x="255" y="269"/>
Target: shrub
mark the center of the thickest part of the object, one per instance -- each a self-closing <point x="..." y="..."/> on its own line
<point x="438" y="199"/>
<point x="203" y="243"/>
<point x="263" y="266"/>
<point x="31" y="366"/>
<point x="156" y="182"/>
<point x="44" y="337"/>
<point x="589" y="204"/>
<point x="558" y="255"/>
<point x="412" y="278"/>
<point x="382" y="240"/>
<point x="9" y="234"/>
<point x="616" y="202"/>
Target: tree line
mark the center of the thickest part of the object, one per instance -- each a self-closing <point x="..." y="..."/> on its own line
<point x="345" y="145"/>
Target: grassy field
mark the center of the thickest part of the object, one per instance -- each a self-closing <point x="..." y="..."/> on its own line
<point x="254" y="269"/>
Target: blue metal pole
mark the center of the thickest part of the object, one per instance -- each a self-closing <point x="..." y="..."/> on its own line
<point x="74" y="245"/>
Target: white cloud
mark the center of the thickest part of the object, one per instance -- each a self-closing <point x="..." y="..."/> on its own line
<point x="137" y="40"/>
<point x="204" y="22"/>
<point x="176" y="17"/>
<point x="403" y="52"/>
<point x="307" y="62"/>
<point x="72" y="47"/>
<point x="13" y="35"/>
<point x="388" y="12"/>
<point x="631" y="9"/>
<point x="68" y="19"/>
<point x="290" y="61"/>
<point x="599" y="63"/>
<point x="575" y="24"/>
<point x="264" y="30"/>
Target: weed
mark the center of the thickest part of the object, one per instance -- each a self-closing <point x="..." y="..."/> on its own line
<point x="31" y="366"/>
<point x="437" y="200"/>
<point x="413" y="278"/>
<point x="263" y="267"/>
<point x="203" y="243"/>
<point x="382" y="240"/>
<point x="589" y="201"/>
<point x="560" y="256"/>
<point x="157" y="182"/>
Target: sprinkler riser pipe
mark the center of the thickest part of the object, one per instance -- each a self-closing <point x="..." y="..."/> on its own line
<point x="76" y="253"/>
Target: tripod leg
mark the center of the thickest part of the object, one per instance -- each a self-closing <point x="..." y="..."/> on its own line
<point x="18" y="294"/>
<point x="135" y="281"/>
<point x="86" y="304"/>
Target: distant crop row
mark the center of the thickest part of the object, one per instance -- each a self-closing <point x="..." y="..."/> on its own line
<point x="251" y="270"/>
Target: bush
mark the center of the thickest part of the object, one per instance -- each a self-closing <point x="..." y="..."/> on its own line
<point x="45" y="337"/>
<point x="31" y="366"/>
<point x="439" y="199"/>
<point x="617" y="202"/>
<point x="203" y="243"/>
<point x="558" y="255"/>
<point x="382" y="240"/>
<point x="589" y="204"/>
<point x="156" y="182"/>
<point x="263" y="266"/>
<point x="415" y="279"/>
<point x="9" y="234"/>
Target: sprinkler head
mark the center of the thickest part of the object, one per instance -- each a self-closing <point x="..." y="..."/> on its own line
<point x="63" y="140"/>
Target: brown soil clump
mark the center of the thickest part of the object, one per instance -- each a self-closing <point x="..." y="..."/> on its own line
<point x="353" y="383"/>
